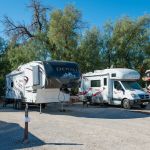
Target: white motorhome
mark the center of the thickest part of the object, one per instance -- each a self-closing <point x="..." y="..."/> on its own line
<point x="42" y="82"/>
<point x="117" y="86"/>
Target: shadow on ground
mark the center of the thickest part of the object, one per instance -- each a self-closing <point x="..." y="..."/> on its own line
<point x="99" y="111"/>
<point x="11" y="137"/>
<point x="102" y="112"/>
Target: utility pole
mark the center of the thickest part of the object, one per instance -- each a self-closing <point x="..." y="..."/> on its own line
<point x="25" y="139"/>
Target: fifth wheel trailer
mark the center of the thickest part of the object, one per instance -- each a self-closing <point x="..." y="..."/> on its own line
<point x="117" y="86"/>
<point x="42" y="82"/>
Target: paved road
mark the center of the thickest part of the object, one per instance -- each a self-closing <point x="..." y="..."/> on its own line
<point x="93" y="128"/>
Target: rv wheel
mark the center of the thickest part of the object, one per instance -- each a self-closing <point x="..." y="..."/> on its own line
<point x="126" y="104"/>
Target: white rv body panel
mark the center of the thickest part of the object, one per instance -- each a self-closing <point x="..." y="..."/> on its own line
<point x="112" y="86"/>
<point x="51" y="95"/>
<point x="15" y="79"/>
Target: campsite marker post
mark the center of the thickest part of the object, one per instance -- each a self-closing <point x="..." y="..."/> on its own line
<point x="25" y="139"/>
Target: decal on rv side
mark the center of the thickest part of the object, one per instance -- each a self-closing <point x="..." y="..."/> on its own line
<point x="85" y="92"/>
<point x="26" y="79"/>
<point x="93" y="94"/>
<point x="99" y="92"/>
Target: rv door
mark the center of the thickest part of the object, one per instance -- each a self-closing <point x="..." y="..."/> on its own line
<point x="36" y="75"/>
<point x="107" y="89"/>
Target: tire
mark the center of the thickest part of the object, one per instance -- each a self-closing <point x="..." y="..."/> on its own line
<point x="126" y="104"/>
<point x="143" y="106"/>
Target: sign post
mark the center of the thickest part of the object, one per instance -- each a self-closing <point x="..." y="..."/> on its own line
<point x="25" y="139"/>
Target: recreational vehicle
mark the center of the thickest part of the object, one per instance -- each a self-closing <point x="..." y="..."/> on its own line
<point x="117" y="86"/>
<point x="42" y="82"/>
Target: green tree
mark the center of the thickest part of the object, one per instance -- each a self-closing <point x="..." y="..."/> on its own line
<point x="126" y="42"/>
<point x="130" y="38"/>
<point x="64" y="32"/>
<point x="4" y="65"/>
<point x="31" y="51"/>
<point x="88" y="54"/>
<point x="107" y="50"/>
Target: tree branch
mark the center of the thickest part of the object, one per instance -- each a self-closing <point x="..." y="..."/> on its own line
<point x="12" y="29"/>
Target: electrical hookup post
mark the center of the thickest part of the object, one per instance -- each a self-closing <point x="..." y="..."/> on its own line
<point x="26" y="120"/>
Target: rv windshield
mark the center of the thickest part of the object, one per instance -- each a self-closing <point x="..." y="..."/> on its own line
<point x="131" y="85"/>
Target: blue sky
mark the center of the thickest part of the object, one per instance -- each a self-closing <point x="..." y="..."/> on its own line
<point x="95" y="12"/>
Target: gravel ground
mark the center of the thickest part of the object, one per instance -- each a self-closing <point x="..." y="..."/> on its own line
<point x="92" y="128"/>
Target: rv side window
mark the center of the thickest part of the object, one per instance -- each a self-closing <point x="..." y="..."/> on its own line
<point x="95" y="83"/>
<point x="12" y="83"/>
<point x="113" y="75"/>
<point x="105" y="81"/>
